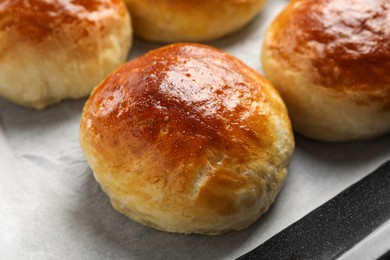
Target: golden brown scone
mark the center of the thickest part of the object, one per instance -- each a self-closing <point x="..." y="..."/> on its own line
<point x="190" y="20"/>
<point x="53" y="50"/>
<point x="188" y="139"/>
<point x="330" y="60"/>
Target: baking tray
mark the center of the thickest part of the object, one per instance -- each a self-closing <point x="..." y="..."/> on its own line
<point x="52" y="208"/>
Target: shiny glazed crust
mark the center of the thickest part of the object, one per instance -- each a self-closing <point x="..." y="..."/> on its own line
<point x="330" y="60"/>
<point x="53" y="50"/>
<point x="188" y="139"/>
<point x="190" y="20"/>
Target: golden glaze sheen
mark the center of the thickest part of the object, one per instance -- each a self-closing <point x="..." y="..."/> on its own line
<point x="189" y="132"/>
<point x="37" y="19"/>
<point x="349" y="41"/>
<point x="183" y="102"/>
<point x="330" y="61"/>
<point x="59" y="49"/>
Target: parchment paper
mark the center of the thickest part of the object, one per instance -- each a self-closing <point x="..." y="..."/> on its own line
<point x="52" y="208"/>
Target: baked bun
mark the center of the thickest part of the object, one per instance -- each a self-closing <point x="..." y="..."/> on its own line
<point x="330" y="60"/>
<point x="53" y="50"/>
<point x="187" y="139"/>
<point x="190" y="20"/>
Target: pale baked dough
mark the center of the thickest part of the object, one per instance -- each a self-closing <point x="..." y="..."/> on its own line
<point x="330" y="60"/>
<point x="53" y="50"/>
<point x="188" y="139"/>
<point x="190" y="20"/>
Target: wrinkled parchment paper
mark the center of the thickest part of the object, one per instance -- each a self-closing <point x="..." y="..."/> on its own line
<point x="52" y="208"/>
